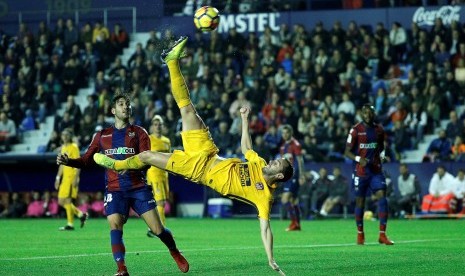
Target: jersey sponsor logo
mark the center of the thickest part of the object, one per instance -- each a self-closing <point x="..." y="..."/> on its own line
<point x="131" y="134"/>
<point x="259" y="186"/>
<point x="362" y="133"/>
<point x="106" y="135"/>
<point x="244" y="174"/>
<point x="120" y="150"/>
<point x="368" y="146"/>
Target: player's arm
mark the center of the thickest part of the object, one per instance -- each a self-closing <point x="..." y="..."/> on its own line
<point x="351" y="138"/>
<point x="77" y="178"/>
<point x="267" y="239"/>
<point x="86" y="159"/>
<point x="58" y="177"/>
<point x="246" y="141"/>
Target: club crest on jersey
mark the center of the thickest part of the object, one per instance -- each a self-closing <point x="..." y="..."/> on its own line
<point x="259" y="186"/>
<point x="131" y="134"/>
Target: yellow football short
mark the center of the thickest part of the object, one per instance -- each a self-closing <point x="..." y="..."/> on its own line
<point x="67" y="189"/>
<point x="191" y="163"/>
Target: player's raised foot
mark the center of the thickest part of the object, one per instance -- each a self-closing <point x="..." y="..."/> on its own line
<point x="104" y="161"/>
<point x="383" y="239"/>
<point x="361" y="238"/>
<point x="66" y="228"/>
<point x="83" y="219"/>
<point x="182" y="263"/>
<point x="177" y="51"/>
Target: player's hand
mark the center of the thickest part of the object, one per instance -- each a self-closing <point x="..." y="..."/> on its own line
<point x="57" y="183"/>
<point x="245" y="110"/>
<point x="62" y="159"/>
<point x="363" y="161"/>
<point x="276" y="268"/>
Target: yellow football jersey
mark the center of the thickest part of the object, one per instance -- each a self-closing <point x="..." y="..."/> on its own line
<point x="161" y="144"/>
<point x="72" y="150"/>
<point x="243" y="181"/>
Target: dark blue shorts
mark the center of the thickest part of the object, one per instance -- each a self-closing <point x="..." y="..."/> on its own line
<point x="373" y="183"/>
<point x="140" y="200"/>
<point x="291" y="186"/>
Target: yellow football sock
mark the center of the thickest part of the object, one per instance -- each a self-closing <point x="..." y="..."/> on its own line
<point x="178" y="84"/>
<point x="161" y="213"/>
<point x="76" y="211"/>
<point x="132" y="163"/>
<point x="69" y="213"/>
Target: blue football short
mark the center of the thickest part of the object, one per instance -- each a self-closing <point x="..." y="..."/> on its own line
<point x="140" y="200"/>
<point x="373" y="183"/>
<point x="291" y="186"/>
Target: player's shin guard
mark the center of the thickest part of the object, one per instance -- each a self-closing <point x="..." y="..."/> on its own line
<point x="118" y="249"/>
<point x="382" y="214"/>
<point x="178" y="84"/>
<point x="167" y="238"/>
<point x="132" y="163"/>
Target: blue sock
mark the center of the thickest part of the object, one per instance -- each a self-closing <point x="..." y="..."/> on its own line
<point x="167" y="238"/>
<point x="359" y="218"/>
<point x="290" y="211"/>
<point x="297" y="213"/>
<point x="117" y="247"/>
<point x="382" y="213"/>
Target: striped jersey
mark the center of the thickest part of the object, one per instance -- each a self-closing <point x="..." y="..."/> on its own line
<point x="290" y="150"/>
<point x="118" y="144"/>
<point x="367" y="142"/>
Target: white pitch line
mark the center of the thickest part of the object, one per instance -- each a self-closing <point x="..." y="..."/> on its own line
<point x="219" y="249"/>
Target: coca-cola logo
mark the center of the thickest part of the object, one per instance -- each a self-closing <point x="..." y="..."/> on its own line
<point x="426" y="18"/>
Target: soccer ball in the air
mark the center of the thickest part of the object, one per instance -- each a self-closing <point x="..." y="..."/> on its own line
<point x="206" y="18"/>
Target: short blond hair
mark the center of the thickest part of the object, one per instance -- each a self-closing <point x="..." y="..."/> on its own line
<point x="157" y="118"/>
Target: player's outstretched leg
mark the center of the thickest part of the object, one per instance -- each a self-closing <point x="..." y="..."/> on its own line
<point x="189" y="116"/>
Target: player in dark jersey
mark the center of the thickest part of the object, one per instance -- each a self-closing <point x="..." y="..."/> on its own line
<point x="292" y="151"/>
<point x="365" y="145"/>
<point x="129" y="189"/>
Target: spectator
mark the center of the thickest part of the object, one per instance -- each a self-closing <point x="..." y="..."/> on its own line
<point x="440" y="190"/>
<point x="97" y="208"/>
<point x="416" y="121"/>
<point x="439" y="149"/>
<point x="454" y="127"/>
<point x="29" y="122"/>
<point x="319" y="190"/>
<point x="458" y="150"/>
<point x="305" y="185"/>
<point x="7" y="132"/>
<point x="36" y="207"/>
<point x="457" y="204"/>
<point x="51" y="206"/>
<point x="409" y="192"/>
<point x="119" y="39"/>
<point x="16" y="207"/>
<point x="398" y="38"/>
<point x="71" y="35"/>
<point x="338" y="190"/>
<point x="54" y="142"/>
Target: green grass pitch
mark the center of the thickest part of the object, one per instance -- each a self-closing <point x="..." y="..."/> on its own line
<point x="233" y="247"/>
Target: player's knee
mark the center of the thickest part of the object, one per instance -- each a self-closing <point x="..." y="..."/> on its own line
<point x="145" y="156"/>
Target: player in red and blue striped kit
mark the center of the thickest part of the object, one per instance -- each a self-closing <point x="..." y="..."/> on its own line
<point x="127" y="190"/>
<point x="365" y="145"/>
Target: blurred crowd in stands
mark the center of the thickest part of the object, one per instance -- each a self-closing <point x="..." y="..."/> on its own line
<point x="45" y="205"/>
<point x="314" y="79"/>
